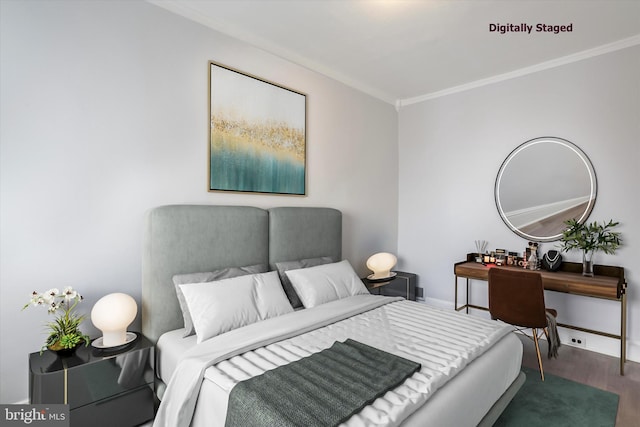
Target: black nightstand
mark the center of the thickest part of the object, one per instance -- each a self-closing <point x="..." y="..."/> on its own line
<point x="102" y="388"/>
<point x="402" y="285"/>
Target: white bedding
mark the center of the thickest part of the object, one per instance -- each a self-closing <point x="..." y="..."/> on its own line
<point x="171" y="347"/>
<point x="444" y="342"/>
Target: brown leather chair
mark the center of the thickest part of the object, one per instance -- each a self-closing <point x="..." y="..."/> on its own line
<point x="517" y="297"/>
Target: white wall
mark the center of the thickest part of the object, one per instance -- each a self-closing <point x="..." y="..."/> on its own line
<point x="452" y="147"/>
<point x="104" y="116"/>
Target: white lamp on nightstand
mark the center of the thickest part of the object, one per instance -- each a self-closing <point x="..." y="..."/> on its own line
<point x="381" y="265"/>
<point x="112" y="314"/>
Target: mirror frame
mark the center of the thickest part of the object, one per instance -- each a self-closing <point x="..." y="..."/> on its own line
<point x="581" y="155"/>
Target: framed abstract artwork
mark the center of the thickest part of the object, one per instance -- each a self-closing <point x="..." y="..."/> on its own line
<point x="257" y="134"/>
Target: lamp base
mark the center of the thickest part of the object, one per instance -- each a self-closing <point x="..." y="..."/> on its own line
<point x="99" y="342"/>
<point x="373" y="279"/>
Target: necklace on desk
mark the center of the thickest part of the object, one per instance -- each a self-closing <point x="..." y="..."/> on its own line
<point x="552" y="260"/>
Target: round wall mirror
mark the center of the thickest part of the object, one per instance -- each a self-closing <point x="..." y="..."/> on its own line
<point x="543" y="183"/>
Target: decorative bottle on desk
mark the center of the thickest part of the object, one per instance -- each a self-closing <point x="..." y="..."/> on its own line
<point x="531" y="256"/>
<point x="533" y="261"/>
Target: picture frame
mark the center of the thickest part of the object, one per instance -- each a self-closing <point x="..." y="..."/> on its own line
<point x="257" y="134"/>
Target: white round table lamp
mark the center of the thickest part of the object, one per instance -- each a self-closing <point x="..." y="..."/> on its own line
<point x="112" y="314"/>
<point x="381" y="265"/>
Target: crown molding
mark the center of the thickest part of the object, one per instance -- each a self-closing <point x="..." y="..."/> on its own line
<point x="579" y="56"/>
<point x="270" y="48"/>
<point x="228" y="29"/>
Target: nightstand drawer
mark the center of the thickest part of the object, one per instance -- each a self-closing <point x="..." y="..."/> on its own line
<point x="127" y="409"/>
<point x="101" y="387"/>
<point x="403" y="285"/>
<point x="111" y="377"/>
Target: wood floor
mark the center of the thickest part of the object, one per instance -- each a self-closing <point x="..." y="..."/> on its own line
<point x="596" y="370"/>
<point x="554" y="224"/>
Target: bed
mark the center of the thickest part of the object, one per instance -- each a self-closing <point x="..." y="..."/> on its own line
<point x="470" y="367"/>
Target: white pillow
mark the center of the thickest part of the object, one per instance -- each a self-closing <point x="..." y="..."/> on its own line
<point x="325" y="283"/>
<point x="210" y="276"/>
<point x="269" y="297"/>
<point x="221" y="306"/>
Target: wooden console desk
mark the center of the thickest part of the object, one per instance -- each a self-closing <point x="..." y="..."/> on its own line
<point x="608" y="283"/>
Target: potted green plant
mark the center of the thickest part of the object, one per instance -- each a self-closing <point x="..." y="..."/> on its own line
<point x="590" y="238"/>
<point x="64" y="333"/>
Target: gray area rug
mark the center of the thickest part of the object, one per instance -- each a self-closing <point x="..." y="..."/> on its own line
<point x="558" y="402"/>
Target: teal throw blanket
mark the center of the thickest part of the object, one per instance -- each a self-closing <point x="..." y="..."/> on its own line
<point x="324" y="389"/>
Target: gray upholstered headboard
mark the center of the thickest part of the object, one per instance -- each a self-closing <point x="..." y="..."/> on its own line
<point x="188" y="239"/>
<point x="182" y="239"/>
<point x="298" y="233"/>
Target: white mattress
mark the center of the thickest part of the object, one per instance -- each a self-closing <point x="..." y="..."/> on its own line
<point x="407" y="329"/>
<point x="170" y="348"/>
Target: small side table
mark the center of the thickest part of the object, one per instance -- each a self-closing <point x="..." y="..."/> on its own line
<point x="402" y="285"/>
<point x="101" y="387"/>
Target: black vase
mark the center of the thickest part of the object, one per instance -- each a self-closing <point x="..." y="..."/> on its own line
<point x="64" y="352"/>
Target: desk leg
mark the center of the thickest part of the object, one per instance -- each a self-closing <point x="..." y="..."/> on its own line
<point x="623" y="332"/>
<point x="467" y="304"/>
<point x="455" y="298"/>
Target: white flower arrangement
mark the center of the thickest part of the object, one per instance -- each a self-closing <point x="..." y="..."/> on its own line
<point x="64" y="332"/>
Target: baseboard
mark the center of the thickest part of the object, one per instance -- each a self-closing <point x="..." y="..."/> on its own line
<point x="593" y="342"/>
<point x="438" y="303"/>
<point x="633" y="351"/>
<point x="599" y="344"/>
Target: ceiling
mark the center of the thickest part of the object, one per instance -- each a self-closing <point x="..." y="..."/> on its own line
<point x="404" y="51"/>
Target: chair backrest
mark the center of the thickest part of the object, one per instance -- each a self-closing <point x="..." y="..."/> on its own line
<point x="517" y="297"/>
